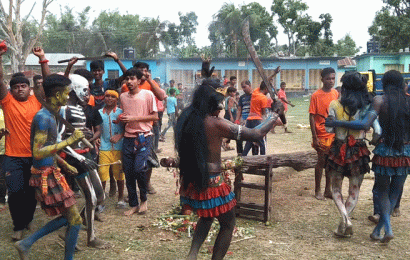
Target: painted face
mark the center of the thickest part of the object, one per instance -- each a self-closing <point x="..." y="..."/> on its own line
<point x="20" y="91"/>
<point x="80" y="86"/>
<point x="62" y="97"/>
<point x="329" y="80"/>
<point x="98" y="74"/>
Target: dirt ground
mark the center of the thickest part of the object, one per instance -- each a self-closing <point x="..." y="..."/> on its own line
<point x="301" y="226"/>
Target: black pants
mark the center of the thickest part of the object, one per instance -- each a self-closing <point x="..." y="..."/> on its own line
<point x="3" y="187"/>
<point x="157" y="129"/>
<point x="22" y="201"/>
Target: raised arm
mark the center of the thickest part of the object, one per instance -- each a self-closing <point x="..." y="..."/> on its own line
<point x="158" y="92"/>
<point x="70" y="65"/>
<point x="3" y="87"/>
<point x="45" y="69"/>
<point x="118" y="61"/>
<point x="363" y="124"/>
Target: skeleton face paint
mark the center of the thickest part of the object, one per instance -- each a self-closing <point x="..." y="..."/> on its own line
<point x="80" y="86"/>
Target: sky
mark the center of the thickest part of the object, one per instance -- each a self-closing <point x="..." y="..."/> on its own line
<point x="349" y="16"/>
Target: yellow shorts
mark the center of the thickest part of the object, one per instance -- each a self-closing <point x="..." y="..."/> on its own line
<point x="107" y="157"/>
<point x="324" y="145"/>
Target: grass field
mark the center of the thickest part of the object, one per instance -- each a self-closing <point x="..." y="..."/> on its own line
<point x="301" y="227"/>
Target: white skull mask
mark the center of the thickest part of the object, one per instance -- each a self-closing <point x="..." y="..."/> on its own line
<point x="80" y="86"/>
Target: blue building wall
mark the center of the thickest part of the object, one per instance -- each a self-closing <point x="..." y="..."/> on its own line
<point x="162" y="68"/>
<point x="382" y="62"/>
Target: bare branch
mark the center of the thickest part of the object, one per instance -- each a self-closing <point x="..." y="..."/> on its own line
<point x="29" y="13"/>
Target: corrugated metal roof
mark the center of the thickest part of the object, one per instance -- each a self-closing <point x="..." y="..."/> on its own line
<point x="346" y="62"/>
<point x="53" y="58"/>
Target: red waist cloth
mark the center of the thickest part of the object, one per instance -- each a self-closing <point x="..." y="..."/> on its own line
<point x="52" y="190"/>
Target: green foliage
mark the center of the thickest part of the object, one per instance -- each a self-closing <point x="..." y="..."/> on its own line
<point x="67" y="33"/>
<point x="304" y="34"/>
<point x="391" y="26"/>
<point x="225" y="30"/>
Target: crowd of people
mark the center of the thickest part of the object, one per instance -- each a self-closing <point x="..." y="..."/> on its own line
<point x="57" y="131"/>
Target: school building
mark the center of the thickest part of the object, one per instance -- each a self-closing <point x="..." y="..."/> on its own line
<point x="301" y="74"/>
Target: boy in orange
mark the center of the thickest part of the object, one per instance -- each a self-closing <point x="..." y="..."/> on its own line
<point x="322" y="140"/>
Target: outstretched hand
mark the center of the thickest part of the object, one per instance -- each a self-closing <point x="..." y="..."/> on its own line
<point x="330" y="121"/>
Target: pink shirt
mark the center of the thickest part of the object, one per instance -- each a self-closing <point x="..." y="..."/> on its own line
<point x="141" y="104"/>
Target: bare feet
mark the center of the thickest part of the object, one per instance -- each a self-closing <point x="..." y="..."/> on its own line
<point x="131" y="211"/>
<point x="349" y="230"/>
<point x="23" y="251"/>
<point x="143" y="208"/>
<point x="396" y="212"/>
<point x="328" y="195"/>
<point x="97" y="216"/>
<point x="17" y="235"/>
<point x="374" y="218"/>
<point x="386" y="239"/>
<point x="113" y="188"/>
<point x="319" y="196"/>
<point x="151" y="189"/>
<point x="99" y="244"/>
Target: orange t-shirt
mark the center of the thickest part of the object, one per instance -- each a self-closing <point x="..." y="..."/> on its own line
<point x="17" y="118"/>
<point x="258" y="102"/>
<point x="319" y="108"/>
<point x="91" y="101"/>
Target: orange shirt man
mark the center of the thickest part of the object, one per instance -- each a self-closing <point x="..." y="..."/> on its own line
<point x="321" y="140"/>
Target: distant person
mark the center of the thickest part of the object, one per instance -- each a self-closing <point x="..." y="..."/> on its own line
<point x="180" y="97"/>
<point x="98" y="88"/>
<point x="172" y="86"/>
<point x="172" y="112"/>
<point x="232" y="81"/>
<point x="322" y="140"/>
<point x="282" y="97"/>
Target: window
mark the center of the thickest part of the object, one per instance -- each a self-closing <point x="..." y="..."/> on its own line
<point x="113" y="74"/>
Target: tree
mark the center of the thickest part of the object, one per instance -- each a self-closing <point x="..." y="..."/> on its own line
<point x="68" y="33"/>
<point x="346" y="46"/>
<point x="391" y="25"/>
<point x="12" y="28"/>
<point x="113" y="31"/>
<point x="290" y="15"/>
<point x="225" y="31"/>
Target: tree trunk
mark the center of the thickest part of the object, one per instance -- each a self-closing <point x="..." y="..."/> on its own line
<point x="297" y="160"/>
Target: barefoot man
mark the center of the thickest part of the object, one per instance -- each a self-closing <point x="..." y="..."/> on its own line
<point x="52" y="190"/>
<point x="321" y="140"/>
<point x="139" y="111"/>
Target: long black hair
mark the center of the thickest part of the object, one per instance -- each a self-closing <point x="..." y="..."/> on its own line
<point x="396" y="124"/>
<point x="354" y="94"/>
<point x="190" y="138"/>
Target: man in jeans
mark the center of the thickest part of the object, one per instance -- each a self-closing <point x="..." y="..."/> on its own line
<point x="140" y="110"/>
